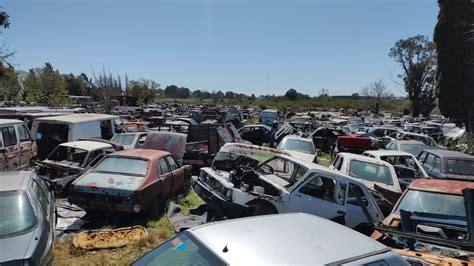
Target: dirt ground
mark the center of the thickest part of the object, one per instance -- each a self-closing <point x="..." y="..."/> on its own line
<point x="158" y="231"/>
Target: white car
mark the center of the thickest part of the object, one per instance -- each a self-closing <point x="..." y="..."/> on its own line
<point x="287" y="239"/>
<point x="400" y="160"/>
<point x="367" y="170"/>
<point x="299" y="147"/>
<point x="287" y="184"/>
<point x="131" y="140"/>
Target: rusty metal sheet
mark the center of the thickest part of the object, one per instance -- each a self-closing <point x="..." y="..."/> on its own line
<point x="442" y="186"/>
<point x="112" y="184"/>
<point x="174" y="143"/>
<point x="431" y="258"/>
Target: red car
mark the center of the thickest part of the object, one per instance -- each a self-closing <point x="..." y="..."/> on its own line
<point x="135" y="180"/>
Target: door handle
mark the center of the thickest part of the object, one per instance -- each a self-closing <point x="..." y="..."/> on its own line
<point x="341" y="212"/>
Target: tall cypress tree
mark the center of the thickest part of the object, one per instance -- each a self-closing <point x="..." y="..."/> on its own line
<point x="454" y="38"/>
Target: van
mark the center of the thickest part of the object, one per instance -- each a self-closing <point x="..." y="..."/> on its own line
<point x="16" y="145"/>
<point x="49" y="132"/>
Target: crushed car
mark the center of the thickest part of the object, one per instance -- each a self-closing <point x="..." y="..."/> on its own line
<point x="286" y="184"/>
<point x="135" y="181"/>
<point x="432" y="223"/>
<point x="68" y="160"/>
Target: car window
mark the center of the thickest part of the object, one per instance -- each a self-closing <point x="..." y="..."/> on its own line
<point x="437" y="164"/>
<point x="370" y="172"/>
<point x="429" y="160"/>
<point x="320" y="187"/>
<point x="460" y="166"/>
<point x="9" y="136"/>
<point x="351" y="195"/>
<point x="163" y="169"/>
<point x="422" y="157"/>
<point x="40" y="195"/>
<point x="172" y="163"/>
<point x="300" y="173"/>
<point x="280" y="167"/>
<point x="15" y="220"/>
<point x="92" y="156"/>
<point x="338" y="163"/>
<point x="341" y="194"/>
<point x="23" y="133"/>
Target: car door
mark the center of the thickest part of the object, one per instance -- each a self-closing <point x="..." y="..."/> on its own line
<point x="354" y="213"/>
<point x="316" y="195"/>
<point x="177" y="173"/>
<point x="11" y="148"/>
<point x="166" y="177"/>
<point x="27" y="146"/>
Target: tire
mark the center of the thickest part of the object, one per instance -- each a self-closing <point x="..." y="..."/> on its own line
<point x="261" y="208"/>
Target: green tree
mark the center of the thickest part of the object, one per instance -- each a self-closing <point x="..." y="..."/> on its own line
<point x="417" y="57"/>
<point x="46" y="86"/>
<point x="146" y="90"/>
<point x="454" y="38"/>
<point x="291" y="94"/>
<point x="9" y="84"/>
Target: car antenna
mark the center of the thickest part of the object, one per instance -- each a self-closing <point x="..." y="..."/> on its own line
<point x="225" y="249"/>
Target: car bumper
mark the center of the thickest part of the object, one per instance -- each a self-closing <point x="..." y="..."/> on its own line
<point x="103" y="206"/>
<point x="217" y="202"/>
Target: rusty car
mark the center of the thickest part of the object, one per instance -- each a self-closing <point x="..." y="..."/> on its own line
<point x="17" y="148"/>
<point x="432" y="220"/>
<point x="138" y="181"/>
<point x="68" y="160"/>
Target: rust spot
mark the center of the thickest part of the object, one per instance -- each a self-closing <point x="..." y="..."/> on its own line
<point x="442" y="186"/>
<point x="91" y="184"/>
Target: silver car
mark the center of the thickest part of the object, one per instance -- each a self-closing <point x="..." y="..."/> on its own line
<point x="27" y="220"/>
<point x="283" y="239"/>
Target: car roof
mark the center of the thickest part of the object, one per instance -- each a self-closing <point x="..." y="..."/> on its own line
<point x="363" y="158"/>
<point x="259" y="125"/>
<point x="410" y="141"/>
<point x="14" y="180"/>
<point x="87" y="145"/>
<point x="441" y="185"/>
<point x="296" y="137"/>
<point x="142" y="153"/>
<point x="292" y="238"/>
<point x="76" y="118"/>
<point x="388" y="153"/>
<point x="449" y="153"/>
<point x="10" y="121"/>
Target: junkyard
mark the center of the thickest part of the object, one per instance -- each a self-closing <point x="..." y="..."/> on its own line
<point x="113" y="169"/>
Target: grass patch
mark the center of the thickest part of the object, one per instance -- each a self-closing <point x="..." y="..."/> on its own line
<point x="324" y="158"/>
<point x="158" y="231"/>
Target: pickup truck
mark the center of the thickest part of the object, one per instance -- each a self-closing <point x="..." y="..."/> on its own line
<point x="284" y="184"/>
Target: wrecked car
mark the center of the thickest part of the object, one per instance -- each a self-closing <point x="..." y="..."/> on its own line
<point x="445" y="164"/>
<point x="27" y="220"/>
<point x="353" y="144"/>
<point x="68" y="160"/>
<point x="411" y="146"/>
<point x="299" y="147"/>
<point x="257" y="134"/>
<point x="325" y="137"/>
<point x="16" y="145"/>
<point x="286" y="184"/>
<point x="138" y="181"/>
<point x="432" y="220"/>
<point x="131" y="140"/>
<point x="289" y="239"/>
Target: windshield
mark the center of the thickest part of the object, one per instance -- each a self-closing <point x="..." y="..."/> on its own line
<point x="284" y="169"/>
<point x="460" y="167"/>
<point x="123" y="165"/>
<point x="268" y="115"/>
<point x="414" y="149"/>
<point x="434" y="203"/>
<point x="225" y="161"/>
<point x="17" y="215"/>
<point x="370" y="172"/>
<point x="70" y="155"/>
<point x="124" y="139"/>
<point x="183" y="249"/>
<point x="297" y="145"/>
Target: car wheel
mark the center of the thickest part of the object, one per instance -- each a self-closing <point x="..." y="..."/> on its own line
<point x="261" y="208"/>
<point x="156" y="208"/>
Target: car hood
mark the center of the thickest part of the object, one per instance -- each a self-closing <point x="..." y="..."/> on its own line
<point x="301" y="155"/>
<point x="110" y="183"/>
<point x="19" y="246"/>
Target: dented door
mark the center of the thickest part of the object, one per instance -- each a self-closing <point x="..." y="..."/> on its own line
<point x="11" y="148"/>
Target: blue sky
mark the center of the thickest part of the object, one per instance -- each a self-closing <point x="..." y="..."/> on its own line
<point x="249" y="46"/>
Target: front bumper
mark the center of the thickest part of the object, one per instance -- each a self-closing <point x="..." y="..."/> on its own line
<point x="216" y="201"/>
<point x="103" y="206"/>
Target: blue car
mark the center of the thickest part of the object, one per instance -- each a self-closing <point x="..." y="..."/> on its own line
<point x="257" y="134"/>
